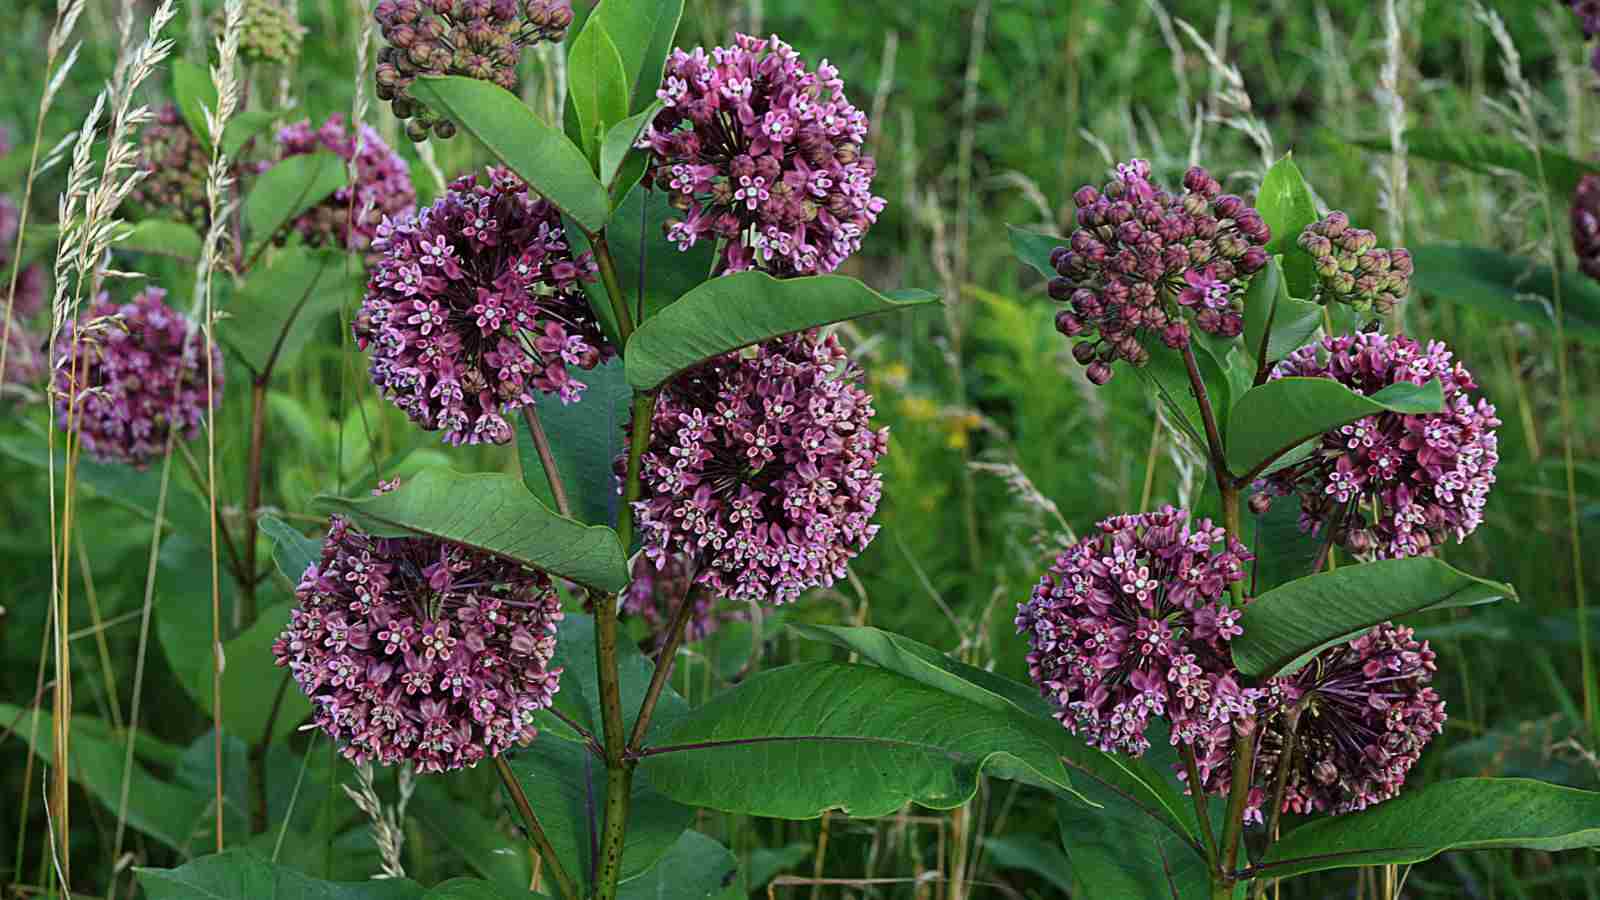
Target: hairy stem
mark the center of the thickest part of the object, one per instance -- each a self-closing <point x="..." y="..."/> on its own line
<point x="541" y="443"/>
<point x="613" y="286"/>
<point x="541" y="842"/>
<point x="664" y="660"/>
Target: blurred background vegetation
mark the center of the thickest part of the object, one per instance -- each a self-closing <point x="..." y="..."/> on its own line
<point x="985" y="113"/>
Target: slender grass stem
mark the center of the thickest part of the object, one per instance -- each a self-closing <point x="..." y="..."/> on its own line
<point x="530" y="822"/>
<point x="664" y="660"/>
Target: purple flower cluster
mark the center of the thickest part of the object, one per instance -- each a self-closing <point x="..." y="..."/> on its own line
<point x="174" y="163"/>
<point x="764" y="155"/>
<point x="1130" y="624"/>
<point x="1392" y="485"/>
<point x="473" y="304"/>
<point x="30" y="282"/>
<point x="481" y="39"/>
<point x="25" y="362"/>
<point x="1363" y="712"/>
<point x="654" y="594"/>
<point x="1588" y="12"/>
<point x="1144" y="262"/>
<point x="761" y="470"/>
<point x="1586" y="224"/>
<point x="419" y="650"/>
<point x="382" y="189"/>
<point x="129" y="374"/>
<point x="1352" y="269"/>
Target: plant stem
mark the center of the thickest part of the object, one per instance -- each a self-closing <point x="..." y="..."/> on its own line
<point x="1227" y="485"/>
<point x="252" y="498"/>
<point x="664" y="660"/>
<point x="541" y="443"/>
<point x="613" y="286"/>
<point x="1201" y="814"/>
<point x="258" y="761"/>
<point x="541" y="842"/>
<point x="1244" y="754"/>
<point x="1291" y="722"/>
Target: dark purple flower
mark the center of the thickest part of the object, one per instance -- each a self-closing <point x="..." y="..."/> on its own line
<point x="761" y="470"/>
<point x="654" y="595"/>
<point x="1586" y="224"/>
<point x="382" y="190"/>
<point x="473" y="304"/>
<point x="1352" y="269"/>
<point x="1588" y="12"/>
<point x="174" y="162"/>
<point x="1145" y="263"/>
<point x="129" y="374"/>
<point x="762" y="154"/>
<point x="1392" y="485"/>
<point x="1130" y="624"/>
<point x="419" y="650"/>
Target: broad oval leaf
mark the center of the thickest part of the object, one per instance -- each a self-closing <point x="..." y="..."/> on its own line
<point x="1034" y="248"/>
<point x="585" y="440"/>
<point x="1511" y="287"/>
<point x="747" y="308"/>
<point x="618" y="148"/>
<point x="800" y="740"/>
<point x="494" y="513"/>
<point x="643" y="31"/>
<point x="1275" y="323"/>
<point x="243" y="875"/>
<point x="273" y="315"/>
<point x="289" y="188"/>
<point x="645" y="259"/>
<point x="597" y="84"/>
<point x="541" y="155"/>
<point x="1313" y="612"/>
<point x="1273" y="418"/>
<point x="579" y="697"/>
<point x="1286" y="204"/>
<point x="695" y="868"/>
<point x="194" y="93"/>
<point x="159" y="237"/>
<point x="1421" y="823"/>
<point x="477" y="889"/>
<point x="292" y="552"/>
<point x="250" y="679"/>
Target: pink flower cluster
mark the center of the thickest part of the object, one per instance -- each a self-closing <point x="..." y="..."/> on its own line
<point x="1363" y="712"/>
<point x="382" y="189"/>
<point x="654" y="594"/>
<point x="419" y="650"/>
<point x="129" y="374"/>
<point x="764" y="155"/>
<point x="1392" y="485"/>
<point x="1130" y="624"/>
<point x="475" y="303"/>
<point x="1145" y="262"/>
<point x="1586" y="224"/>
<point x="761" y="470"/>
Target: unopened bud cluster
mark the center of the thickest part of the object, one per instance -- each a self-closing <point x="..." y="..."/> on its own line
<point x="173" y="160"/>
<point x="271" y="34"/>
<point x="1352" y="269"/>
<point x="481" y="39"/>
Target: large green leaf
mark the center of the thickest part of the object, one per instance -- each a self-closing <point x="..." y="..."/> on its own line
<point x="1168" y="379"/>
<point x="695" y="868"/>
<point x="617" y="149"/>
<point x="543" y="156"/>
<point x="645" y="259"/>
<point x="643" y="31"/>
<point x="1273" y="418"/>
<point x="1274" y="322"/>
<point x="1034" y="248"/>
<point x="292" y="552"/>
<point x="1310" y="613"/>
<point x="747" y="308"/>
<point x="1487" y="153"/>
<point x="596" y="83"/>
<point x="250" y="679"/>
<point x="477" y="889"/>
<point x="160" y="237"/>
<point x="242" y="875"/>
<point x="289" y="188"/>
<point x="1421" y="823"/>
<point x="1511" y="287"/>
<point x="797" y="741"/>
<point x="494" y="513"/>
<point x="1027" y="853"/>
<point x="1115" y="850"/>
<point x="194" y="93"/>
<point x="490" y="849"/>
<point x="1286" y="204"/>
<point x="579" y="698"/>
<point x="585" y="439"/>
<point x="272" y="317"/>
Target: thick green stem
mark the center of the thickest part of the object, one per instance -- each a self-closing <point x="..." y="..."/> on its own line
<point x="664" y="660"/>
<point x="613" y="286"/>
<point x="1202" y="815"/>
<point x="1291" y="724"/>
<point x="547" y="459"/>
<point x="541" y="842"/>
<point x="1227" y="485"/>
<point x="1244" y="757"/>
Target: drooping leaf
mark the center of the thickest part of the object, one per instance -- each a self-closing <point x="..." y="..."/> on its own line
<point x="1286" y="204"/>
<point x="1511" y="287"/>
<point x="286" y="190"/>
<point x="541" y="155"/>
<point x="1481" y="151"/>
<point x="585" y="439"/>
<point x="643" y="32"/>
<point x="617" y="147"/>
<point x="292" y="552"/>
<point x="1309" y="613"/>
<point x="695" y="868"/>
<point x="597" y="84"/>
<point x="746" y="308"/>
<point x="160" y="237"/>
<point x="494" y="513"/>
<point x="1034" y="248"/>
<point x="1273" y="418"/>
<point x="272" y="317"/>
<point x="1274" y="322"/>
<point x="1464" y="814"/>
<point x="243" y="875"/>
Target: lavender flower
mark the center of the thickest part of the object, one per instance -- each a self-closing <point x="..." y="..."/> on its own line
<point x="1352" y="269"/>
<point x="760" y="470"/>
<point x="1144" y="262"/>
<point x="1586" y="224"/>
<point x="481" y="39"/>
<point x="763" y="154"/>
<point x="174" y="162"/>
<point x="473" y="304"/>
<point x="420" y="650"/>
<point x="1392" y="485"/>
<point x="1130" y="624"/>
<point x="130" y="374"/>
<point x="382" y="190"/>
<point x="1363" y="714"/>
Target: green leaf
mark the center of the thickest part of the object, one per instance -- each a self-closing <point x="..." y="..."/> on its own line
<point x="245" y="126"/>
<point x="579" y="698"/>
<point x="288" y="189"/>
<point x="543" y="156"/>
<point x="1313" y="612"/>
<point x="1272" y="418"/>
<point x="158" y="237"/>
<point x="585" y="438"/>
<point x="493" y="513"/>
<point x="1275" y="324"/>
<point x="477" y="889"/>
<point x="1034" y="248"/>
<point x="643" y="31"/>
<point x="747" y="308"/>
<point x="194" y="93"/>
<point x="618" y="146"/>
<point x="1168" y="379"/>
<point x="1421" y="823"/>
<point x="488" y="848"/>
<point x="597" y="84"/>
<point x="242" y="875"/>
<point x="644" y="257"/>
<point x="1286" y="204"/>
<point x="796" y="741"/>
<point x="292" y="552"/>
<point x="250" y="679"/>
<point x="696" y="868"/>
<point x="1026" y="853"/>
<point x="1483" y="152"/>
<point x="275" y="313"/>
<point x="1117" y="851"/>
<point x="1511" y="287"/>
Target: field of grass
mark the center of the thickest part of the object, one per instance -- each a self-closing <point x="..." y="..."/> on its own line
<point x="985" y="113"/>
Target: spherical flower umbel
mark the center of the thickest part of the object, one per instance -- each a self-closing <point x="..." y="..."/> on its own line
<point x="1362" y="714"/>
<point x="1130" y="624"/>
<point x="419" y="650"/>
<point x="1586" y="225"/>
<point x="1352" y="269"/>
<point x="1392" y="485"/>
<point x="1145" y="262"/>
<point x="475" y="303"/>
<point x="761" y="470"/>
<point x="272" y="32"/>
<point x="481" y="39"/>
<point x="382" y="189"/>
<point x="128" y="374"/>
<point x="763" y="154"/>
<point x="174" y="162"/>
